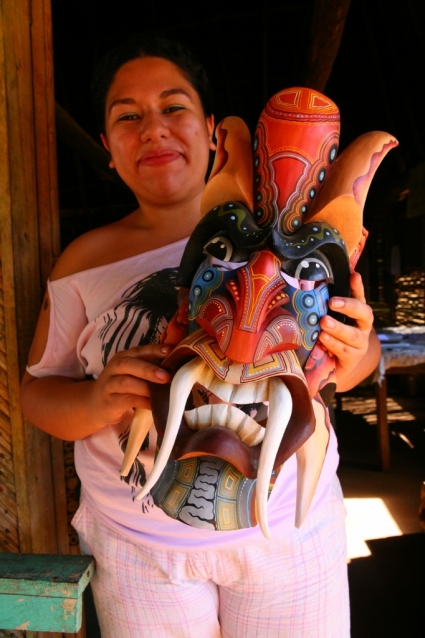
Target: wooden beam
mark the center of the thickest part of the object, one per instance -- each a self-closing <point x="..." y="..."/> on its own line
<point x="325" y="37"/>
<point x="76" y="138"/>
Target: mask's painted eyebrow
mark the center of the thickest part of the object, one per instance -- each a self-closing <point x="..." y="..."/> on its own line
<point x="164" y="94"/>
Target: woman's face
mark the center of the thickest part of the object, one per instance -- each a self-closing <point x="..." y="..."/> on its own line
<point x="156" y="132"/>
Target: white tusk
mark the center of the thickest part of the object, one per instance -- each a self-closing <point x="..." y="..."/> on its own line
<point x="181" y="387"/>
<point x="280" y="410"/>
<point x="310" y="457"/>
<point x="142" y="421"/>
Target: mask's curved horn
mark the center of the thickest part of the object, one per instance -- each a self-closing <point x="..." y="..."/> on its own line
<point x="140" y="425"/>
<point x="231" y="175"/>
<point x="342" y="198"/>
<point x="310" y="458"/>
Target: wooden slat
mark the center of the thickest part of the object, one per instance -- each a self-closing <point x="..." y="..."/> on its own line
<point x="2" y="343"/>
<point x="4" y="390"/>
<point x="3" y="364"/>
<point x="3" y="377"/>
<point x="5" y="434"/>
<point x="7" y="542"/>
<point x="5" y="448"/>
<point x="4" y="406"/>
<point x="8" y="506"/>
<point x="7" y="478"/>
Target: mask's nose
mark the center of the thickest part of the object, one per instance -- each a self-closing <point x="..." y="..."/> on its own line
<point x="251" y="323"/>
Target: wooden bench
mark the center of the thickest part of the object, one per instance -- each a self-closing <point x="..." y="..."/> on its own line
<point x="43" y="592"/>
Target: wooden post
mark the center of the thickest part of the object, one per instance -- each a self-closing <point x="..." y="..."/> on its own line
<point x="382" y="424"/>
<point x="29" y="242"/>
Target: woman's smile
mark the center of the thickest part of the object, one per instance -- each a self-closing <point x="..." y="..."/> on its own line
<point x="159" y="157"/>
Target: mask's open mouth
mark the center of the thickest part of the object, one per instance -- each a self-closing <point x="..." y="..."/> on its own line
<point x="242" y="409"/>
<point x="255" y="425"/>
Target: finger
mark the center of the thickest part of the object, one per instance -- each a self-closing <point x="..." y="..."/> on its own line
<point x="346" y="356"/>
<point x="129" y="366"/>
<point x="356" y="287"/>
<point x="150" y="352"/>
<point x="129" y="402"/>
<point x="349" y="336"/>
<point x="354" y="309"/>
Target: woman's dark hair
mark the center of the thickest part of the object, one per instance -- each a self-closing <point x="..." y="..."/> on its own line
<point x="148" y="46"/>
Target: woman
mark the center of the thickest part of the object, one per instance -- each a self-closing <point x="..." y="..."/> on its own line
<point x="87" y="373"/>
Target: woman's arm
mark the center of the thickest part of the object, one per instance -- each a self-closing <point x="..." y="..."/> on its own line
<point x="72" y="410"/>
<point x="356" y="347"/>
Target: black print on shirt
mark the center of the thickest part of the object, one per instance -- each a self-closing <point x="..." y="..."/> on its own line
<point x="139" y="319"/>
<point x="152" y="301"/>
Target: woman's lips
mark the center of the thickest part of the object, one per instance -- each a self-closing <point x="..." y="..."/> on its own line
<point x="159" y="158"/>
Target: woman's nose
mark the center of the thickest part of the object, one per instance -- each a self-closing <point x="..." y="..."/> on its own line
<point x="153" y="128"/>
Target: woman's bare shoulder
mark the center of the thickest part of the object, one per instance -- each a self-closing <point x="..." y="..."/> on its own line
<point x="97" y="247"/>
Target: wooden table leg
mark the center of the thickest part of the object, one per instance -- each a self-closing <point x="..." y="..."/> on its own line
<point x="383" y="433"/>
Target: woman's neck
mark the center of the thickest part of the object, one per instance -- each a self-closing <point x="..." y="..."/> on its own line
<point x="166" y="224"/>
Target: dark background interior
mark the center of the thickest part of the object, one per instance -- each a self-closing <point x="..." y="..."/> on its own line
<point x="377" y="81"/>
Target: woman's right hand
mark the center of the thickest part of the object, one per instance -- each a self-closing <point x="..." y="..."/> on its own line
<point x="123" y="383"/>
<point x="71" y="409"/>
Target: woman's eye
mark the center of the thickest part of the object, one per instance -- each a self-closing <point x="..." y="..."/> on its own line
<point x="174" y="108"/>
<point x="128" y="117"/>
<point x="219" y="247"/>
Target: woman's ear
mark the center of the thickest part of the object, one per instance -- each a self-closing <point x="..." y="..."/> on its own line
<point x="106" y="145"/>
<point x="210" y="129"/>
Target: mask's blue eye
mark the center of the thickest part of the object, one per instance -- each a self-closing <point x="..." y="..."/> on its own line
<point x="219" y="247"/>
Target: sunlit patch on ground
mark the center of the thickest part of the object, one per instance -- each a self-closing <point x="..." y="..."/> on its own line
<point x="367" y="519"/>
<point x="366" y="407"/>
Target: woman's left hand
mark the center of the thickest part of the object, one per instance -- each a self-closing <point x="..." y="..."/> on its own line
<point x="351" y="344"/>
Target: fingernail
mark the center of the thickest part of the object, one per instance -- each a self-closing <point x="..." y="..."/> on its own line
<point x="163" y="375"/>
<point x="329" y="323"/>
<point x="337" y="302"/>
<point x="324" y="336"/>
<point x="165" y="349"/>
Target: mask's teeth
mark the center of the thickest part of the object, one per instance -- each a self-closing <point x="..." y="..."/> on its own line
<point x="248" y="430"/>
<point x="180" y="389"/>
<point x="242" y="393"/>
<point x="207" y="378"/>
<point x="142" y="421"/>
<point x="251" y="392"/>
<point x="225" y="415"/>
<point x="222" y="390"/>
<point x="219" y="414"/>
<point x="280" y="410"/>
<point x="310" y="457"/>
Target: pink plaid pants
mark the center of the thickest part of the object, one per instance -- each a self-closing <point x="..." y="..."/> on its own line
<point x="294" y="587"/>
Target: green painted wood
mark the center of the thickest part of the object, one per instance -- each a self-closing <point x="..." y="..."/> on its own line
<point x="43" y="592"/>
<point x="45" y="574"/>
<point x="40" y="613"/>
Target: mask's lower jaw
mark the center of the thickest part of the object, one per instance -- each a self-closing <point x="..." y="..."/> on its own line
<point x="286" y="429"/>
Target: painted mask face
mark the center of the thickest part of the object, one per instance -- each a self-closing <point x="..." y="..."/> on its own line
<point x="279" y="234"/>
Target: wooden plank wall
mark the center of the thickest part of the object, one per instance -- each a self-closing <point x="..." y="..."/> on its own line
<point x="33" y="510"/>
